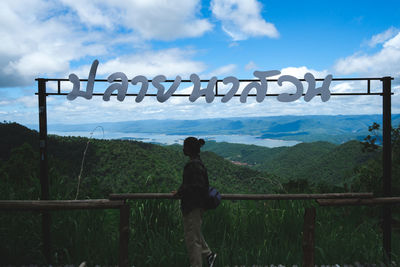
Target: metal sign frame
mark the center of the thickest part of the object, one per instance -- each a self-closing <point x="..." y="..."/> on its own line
<point x="386" y="159"/>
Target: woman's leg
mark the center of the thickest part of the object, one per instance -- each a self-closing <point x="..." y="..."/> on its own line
<point x="205" y="250"/>
<point x="195" y="243"/>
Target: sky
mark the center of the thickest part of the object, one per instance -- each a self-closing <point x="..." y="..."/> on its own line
<point x="52" y="39"/>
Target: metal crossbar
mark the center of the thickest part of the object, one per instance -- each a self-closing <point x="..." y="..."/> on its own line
<point x="217" y="94"/>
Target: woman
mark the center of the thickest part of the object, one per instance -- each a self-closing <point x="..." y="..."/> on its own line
<point x="193" y="193"/>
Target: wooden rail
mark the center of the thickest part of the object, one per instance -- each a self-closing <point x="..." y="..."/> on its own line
<point x="60" y="204"/>
<point x="359" y="202"/>
<point x="54" y="205"/>
<point x="248" y="196"/>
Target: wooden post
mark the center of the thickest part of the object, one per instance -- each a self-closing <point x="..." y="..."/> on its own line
<point x="124" y="235"/>
<point x="309" y="237"/>
<point x="44" y="175"/>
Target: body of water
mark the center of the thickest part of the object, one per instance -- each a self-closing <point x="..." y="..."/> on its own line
<point x="178" y="139"/>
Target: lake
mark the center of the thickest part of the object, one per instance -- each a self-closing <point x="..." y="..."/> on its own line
<point x="178" y="139"/>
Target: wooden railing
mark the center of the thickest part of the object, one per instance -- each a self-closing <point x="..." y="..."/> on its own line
<point x="118" y="201"/>
<point x="56" y="205"/>
<point x="309" y="215"/>
<point x="248" y="196"/>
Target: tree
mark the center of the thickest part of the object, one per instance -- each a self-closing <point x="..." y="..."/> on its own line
<point x="369" y="176"/>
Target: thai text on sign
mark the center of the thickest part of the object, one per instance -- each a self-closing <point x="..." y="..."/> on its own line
<point x="119" y="82"/>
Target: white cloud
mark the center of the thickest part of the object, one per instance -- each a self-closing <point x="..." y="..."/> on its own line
<point x="45" y="40"/>
<point x="241" y="19"/>
<point x="28" y="101"/>
<point x="250" y="66"/>
<point x="4" y="102"/>
<point x="41" y="41"/>
<point x="222" y="71"/>
<point x="382" y="37"/>
<point x="168" y="62"/>
<point x="299" y="72"/>
<point x="152" y="19"/>
<point x="95" y="13"/>
<point x="385" y="62"/>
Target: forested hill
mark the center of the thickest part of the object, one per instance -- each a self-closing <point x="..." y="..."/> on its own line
<point x="110" y="166"/>
<point x="317" y="162"/>
<point x="113" y="166"/>
<point x="130" y="166"/>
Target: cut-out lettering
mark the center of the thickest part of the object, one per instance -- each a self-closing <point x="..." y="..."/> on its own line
<point x="235" y="86"/>
<point x="261" y="86"/>
<point x="120" y="83"/>
<point x="197" y="92"/>
<point x="286" y="97"/>
<point x="323" y="90"/>
<point x="161" y="97"/>
<point x="143" y="89"/>
<point x="121" y="87"/>
<point x="76" y="89"/>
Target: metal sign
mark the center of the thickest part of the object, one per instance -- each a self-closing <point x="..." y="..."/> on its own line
<point x="119" y="82"/>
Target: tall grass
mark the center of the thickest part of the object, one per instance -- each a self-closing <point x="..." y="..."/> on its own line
<point x="241" y="232"/>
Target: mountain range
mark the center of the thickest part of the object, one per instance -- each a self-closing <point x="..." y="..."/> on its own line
<point x="336" y="129"/>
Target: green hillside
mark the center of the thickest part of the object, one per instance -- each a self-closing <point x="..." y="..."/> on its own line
<point x="113" y="166"/>
<point x="130" y="166"/>
<point x="250" y="154"/>
<point x="317" y="162"/>
<point x="241" y="232"/>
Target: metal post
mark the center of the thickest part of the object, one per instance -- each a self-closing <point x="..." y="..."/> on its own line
<point x="44" y="179"/>
<point x="387" y="167"/>
<point x="124" y="235"/>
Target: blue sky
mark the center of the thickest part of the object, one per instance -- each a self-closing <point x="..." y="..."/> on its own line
<point x="52" y="39"/>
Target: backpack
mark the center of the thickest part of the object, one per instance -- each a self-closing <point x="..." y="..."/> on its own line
<point x="214" y="198"/>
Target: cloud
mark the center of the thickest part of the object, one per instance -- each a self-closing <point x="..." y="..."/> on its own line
<point x="168" y="62"/>
<point x="385" y="62"/>
<point x="152" y="19"/>
<point x="299" y="72"/>
<point x="382" y="37"/>
<point x="54" y="35"/>
<point x="28" y="101"/>
<point x="241" y="19"/>
<point x="250" y="66"/>
<point x="41" y="41"/>
<point x="222" y="71"/>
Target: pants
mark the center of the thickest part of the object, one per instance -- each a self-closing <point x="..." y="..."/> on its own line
<point x="195" y="243"/>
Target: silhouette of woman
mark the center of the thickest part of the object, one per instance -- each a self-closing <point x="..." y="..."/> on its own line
<point x="193" y="194"/>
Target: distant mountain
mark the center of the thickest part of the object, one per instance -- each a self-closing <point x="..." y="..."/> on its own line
<point x="335" y="129"/>
<point x="317" y="162"/>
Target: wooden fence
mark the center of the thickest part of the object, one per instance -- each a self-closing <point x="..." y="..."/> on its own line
<point x="118" y="201"/>
<point x="46" y="206"/>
